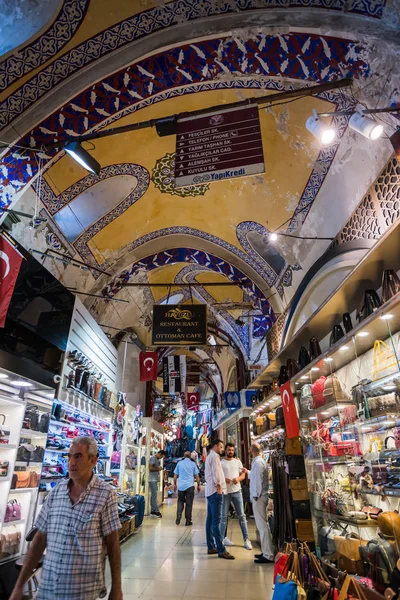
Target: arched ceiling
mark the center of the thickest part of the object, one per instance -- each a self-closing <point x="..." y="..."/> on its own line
<point x="120" y="65"/>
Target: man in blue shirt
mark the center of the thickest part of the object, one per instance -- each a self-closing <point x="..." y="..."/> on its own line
<point x="185" y="473"/>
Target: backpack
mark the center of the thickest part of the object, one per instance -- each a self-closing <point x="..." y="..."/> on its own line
<point x="381" y="560"/>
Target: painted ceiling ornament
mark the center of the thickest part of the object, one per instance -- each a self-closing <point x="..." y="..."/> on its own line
<point x="163" y="177"/>
<point x="53" y="241"/>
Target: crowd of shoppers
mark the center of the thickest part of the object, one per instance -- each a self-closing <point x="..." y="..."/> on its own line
<point x="78" y="523"/>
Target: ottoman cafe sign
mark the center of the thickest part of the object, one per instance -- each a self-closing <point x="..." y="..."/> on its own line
<point x="179" y="324"/>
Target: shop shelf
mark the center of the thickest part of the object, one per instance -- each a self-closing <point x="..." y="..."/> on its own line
<point x="23" y="490"/>
<point x="32" y="434"/>
<point x="268" y="433"/>
<point x="79" y="426"/>
<point x="345" y="298"/>
<point x="8" y="446"/>
<point x="331" y="517"/>
<point x="80" y="394"/>
<point x="24" y="464"/>
<point x="11" y="523"/>
<point x="269" y="400"/>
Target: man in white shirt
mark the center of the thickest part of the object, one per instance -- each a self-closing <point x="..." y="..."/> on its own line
<point x="259" y="497"/>
<point x="215" y="489"/>
<point x="234" y="474"/>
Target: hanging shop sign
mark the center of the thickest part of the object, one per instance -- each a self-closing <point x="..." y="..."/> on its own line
<point x="148" y="366"/>
<point x="219" y="145"/>
<point x="174" y="374"/>
<point x="193" y="401"/>
<point x="174" y="324"/>
<point x="289" y="411"/>
<point x="232" y="400"/>
<point x="255" y="367"/>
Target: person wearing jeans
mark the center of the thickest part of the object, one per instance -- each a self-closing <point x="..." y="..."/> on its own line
<point x="215" y="488"/>
<point x="154" y="479"/>
<point x="234" y="474"/>
<point x="185" y="473"/>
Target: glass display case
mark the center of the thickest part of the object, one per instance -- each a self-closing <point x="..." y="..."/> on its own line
<point x="152" y="441"/>
<point x="349" y="406"/>
<point x="133" y="447"/>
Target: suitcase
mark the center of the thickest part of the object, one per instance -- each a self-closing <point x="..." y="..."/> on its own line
<point x="140" y="509"/>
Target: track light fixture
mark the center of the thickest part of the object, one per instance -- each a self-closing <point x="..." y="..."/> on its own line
<point x="365" y="126"/>
<point x="82" y="156"/>
<point x="324" y="133"/>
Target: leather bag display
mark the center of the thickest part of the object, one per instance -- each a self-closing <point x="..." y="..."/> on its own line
<point x="306" y="397"/>
<point x="10" y="542"/>
<point x="293" y="446"/>
<point x="381" y="559"/>
<point x="304" y="358"/>
<point x="334" y="390"/>
<point x="315" y="349"/>
<point x="301" y="509"/>
<point x="382" y="405"/>
<point x="292" y="367"/>
<point x="13" y="511"/>
<point x="25" y="479"/>
<point x="297" y="469"/>
<point x="390" y="284"/>
<point x="283" y="375"/>
<point x="348" y="553"/>
<point x="384" y="360"/>
<point x="347" y="322"/>
<point x="280" y="419"/>
<point x="317" y="389"/>
<point x="336" y="335"/>
<point x="304" y="530"/>
<point x="299" y="489"/>
<point x="369" y="305"/>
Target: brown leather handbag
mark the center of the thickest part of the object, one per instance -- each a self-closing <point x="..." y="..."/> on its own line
<point x="348" y="553"/>
<point x="390" y="284"/>
<point x="299" y="489"/>
<point x="304" y="530"/>
<point x="293" y="446"/>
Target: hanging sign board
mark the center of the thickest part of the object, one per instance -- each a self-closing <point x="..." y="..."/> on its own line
<point x="179" y="324"/>
<point x="219" y="145"/>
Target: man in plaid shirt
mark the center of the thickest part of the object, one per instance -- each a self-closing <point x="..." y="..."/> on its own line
<point x="77" y="526"/>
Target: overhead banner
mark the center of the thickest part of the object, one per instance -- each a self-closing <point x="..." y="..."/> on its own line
<point x="10" y="261"/>
<point x="148" y="366"/>
<point x="220" y="145"/>
<point x="193" y="401"/>
<point x="289" y="411"/>
<point x="179" y="324"/>
<point x="174" y="374"/>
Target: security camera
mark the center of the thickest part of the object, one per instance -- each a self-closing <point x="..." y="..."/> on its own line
<point x="57" y="378"/>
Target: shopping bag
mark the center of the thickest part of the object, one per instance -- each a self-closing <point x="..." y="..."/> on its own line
<point x="384" y="360"/>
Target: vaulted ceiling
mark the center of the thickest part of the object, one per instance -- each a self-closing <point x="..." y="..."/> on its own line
<point x="97" y="66"/>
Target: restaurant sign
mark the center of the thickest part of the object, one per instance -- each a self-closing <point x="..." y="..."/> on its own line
<point x="179" y="324"/>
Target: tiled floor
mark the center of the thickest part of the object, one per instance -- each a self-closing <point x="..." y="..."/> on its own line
<point x="164" y="561"/>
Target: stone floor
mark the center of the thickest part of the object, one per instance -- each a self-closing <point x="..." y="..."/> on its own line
<point x="163" y="561"/>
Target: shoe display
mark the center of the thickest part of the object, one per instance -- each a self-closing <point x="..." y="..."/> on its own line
<point x="247" y="545"/>
<point x="227" y="542"/>
<point x="226" y="555"/>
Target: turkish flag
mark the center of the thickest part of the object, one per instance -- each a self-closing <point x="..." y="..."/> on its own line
<point x="148" y="363"/>
<point x="193" y="401"/>
<point x="289" y="411"/>
<point x="10" y="264"/>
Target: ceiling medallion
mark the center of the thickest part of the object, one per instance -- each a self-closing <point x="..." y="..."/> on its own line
<point x="163" y="177"/>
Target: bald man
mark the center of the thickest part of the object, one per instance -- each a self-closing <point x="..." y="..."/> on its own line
<point x="259" y="498"/>
<point x="185" y="473"/>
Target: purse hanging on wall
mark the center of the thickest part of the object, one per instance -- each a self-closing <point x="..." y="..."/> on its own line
<point x="315" y="349"/>
<point x="347" y="323"/>
<point x="390" y="284"/>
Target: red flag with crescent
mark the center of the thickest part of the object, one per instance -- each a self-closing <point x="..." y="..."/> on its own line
<point x="193" y="401"/>
<point x="10" y="264"/>
<point x="148" y="363"/>
<point x="289" y="411"/>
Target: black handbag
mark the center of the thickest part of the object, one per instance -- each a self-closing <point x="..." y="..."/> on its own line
<point x="280" y="420"/>
<point x="292" y="367"/>
<point x="31" y="418"/>
<point x="297" y="467"/>
<point x="301" y="509"/>
<point x="304" y="358"/>
<point x="370" y="304"/>
<point x="283" y="375"/>
<point x="348" y="325"/>
<point x="390" y="284"/>
<point x="315" y="349"/>
<point x="336" y="335"/>
<point x="44" y="422"/>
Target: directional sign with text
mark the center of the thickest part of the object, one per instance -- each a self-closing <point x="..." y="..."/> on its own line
<point x="219" y="145"/>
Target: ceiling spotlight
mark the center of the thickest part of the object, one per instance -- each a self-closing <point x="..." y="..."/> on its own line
<point x="82" y="156"/>
<point x="273" y="237"/>
<point x="365" y="126"/>
<point x="324" y="133"/>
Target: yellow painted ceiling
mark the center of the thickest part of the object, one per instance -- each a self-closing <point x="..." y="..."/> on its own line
<point x="289" y="151"/>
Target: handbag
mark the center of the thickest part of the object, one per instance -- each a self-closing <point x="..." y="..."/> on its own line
<point x="382" y="405"/>
<point x="4" y="465"/>
<point x="23" y="479"/>
<point x="293" y="446"/>
<point x="348" y="415"/>
<point x="280" y="419"/>
<point x="371" y="302"/>
<point x="334" y="390"/>
<point x="4" y="433"/>
<point x="272" y="420"/>
<point x="390" y="284"/>
<point x="384" y="360"/>
<point x="297" y="469"/>
<point x="44" y="422"/>
<point x="315" y="349"/>
<point x="336" y="335"/>
<point x="348" y="553"/>
<point x="317" y="389"/>
<point x="304" y="530"/>
<point x="299" y="489"/>
<point x="10" y="542"/>
<point x="372" y="512"/>
<point x="327" y="539"/>
<point x="291" y="367"/>
<point x="306" y="396"/>
<point x="304" y="358"/>
<point x="283" y="375"/>
<point x="347" y="323"/>
<point x="289" y="585"/>
<point x="31" y="417"/>
<point x="13" y="511"/>
<point x="301" y="509"/>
